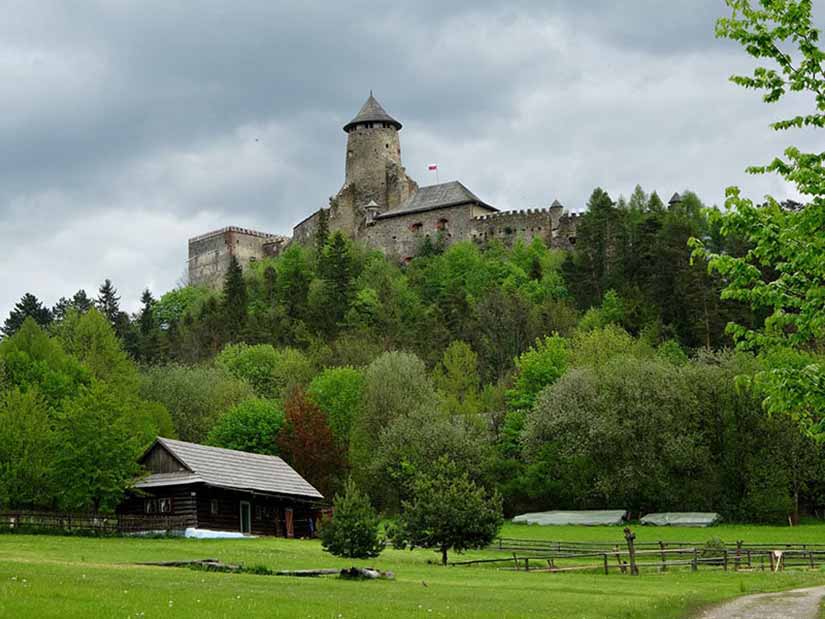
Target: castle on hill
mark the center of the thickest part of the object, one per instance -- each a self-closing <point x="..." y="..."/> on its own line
<point x="380" y="206"/>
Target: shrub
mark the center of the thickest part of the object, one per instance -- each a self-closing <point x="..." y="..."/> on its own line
<point x="352" y="532"/>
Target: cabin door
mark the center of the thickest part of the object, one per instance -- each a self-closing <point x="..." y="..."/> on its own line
<point x="246" y="517"/>
<point x="289" y="516"/>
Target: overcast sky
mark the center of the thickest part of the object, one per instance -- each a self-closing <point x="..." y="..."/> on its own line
<point x="128" y="126"/>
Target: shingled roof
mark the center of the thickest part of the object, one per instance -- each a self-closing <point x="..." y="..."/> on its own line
<point x="435" y="197"/>
<point x="371" y="112"/>
<point x="228" y="468"/>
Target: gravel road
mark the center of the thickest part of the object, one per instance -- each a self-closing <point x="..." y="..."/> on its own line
<point x="796" y="604"/>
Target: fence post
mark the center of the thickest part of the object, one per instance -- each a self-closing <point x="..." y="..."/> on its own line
<point x="605" y="564"/>
<point x="726" y="559"/>
<point x="631" y="551"/>
<point x="622" y="565"/>
<point x="811" y="557"/>
<point x="515" y="560"/>
<point x="694" y="565"/>
<point x="738" y="554"/>
<point x="664" y="556"/>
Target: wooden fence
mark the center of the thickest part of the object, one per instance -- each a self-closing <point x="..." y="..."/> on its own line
<point x="90" y="524"/>
<point x="630" y="557"/>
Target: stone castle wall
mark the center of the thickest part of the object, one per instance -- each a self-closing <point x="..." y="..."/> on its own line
<point x="211" y="253"/>
<point x="402" y="236"/>
<point x="552" y="225"/>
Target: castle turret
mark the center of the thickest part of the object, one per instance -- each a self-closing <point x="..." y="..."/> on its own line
<point x="373" y="169"/>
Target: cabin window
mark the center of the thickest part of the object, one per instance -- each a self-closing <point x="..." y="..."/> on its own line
<point x="158" y="506"/>
<point x="213" y="507"/>
<point x="262" y="512"/>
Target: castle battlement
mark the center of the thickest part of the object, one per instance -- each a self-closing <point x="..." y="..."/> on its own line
<point x="222" y="231"/>
<point x="501" y="215"/>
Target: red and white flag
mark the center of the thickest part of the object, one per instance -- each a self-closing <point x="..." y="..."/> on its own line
<point x="432" y="166"/>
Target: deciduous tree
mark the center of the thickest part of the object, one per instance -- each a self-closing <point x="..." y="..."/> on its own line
<point x="447" y="511"/>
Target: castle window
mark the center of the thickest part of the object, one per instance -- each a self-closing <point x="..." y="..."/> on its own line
<point x="213" y="507"/>
<point x="416" y="227"/>
<point x="508" y="230"/>
<point x="442" y="224"/>
<point x="386" y="145"/>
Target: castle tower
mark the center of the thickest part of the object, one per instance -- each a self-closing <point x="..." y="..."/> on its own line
<point x="373" y="167"/>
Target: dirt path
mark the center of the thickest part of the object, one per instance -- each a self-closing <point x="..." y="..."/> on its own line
<point x="796" y="604"/>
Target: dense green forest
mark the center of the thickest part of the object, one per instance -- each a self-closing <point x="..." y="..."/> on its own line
<point x="598" y="378"/>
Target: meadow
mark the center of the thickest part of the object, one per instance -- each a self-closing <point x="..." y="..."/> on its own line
<point x="52" y="576"/>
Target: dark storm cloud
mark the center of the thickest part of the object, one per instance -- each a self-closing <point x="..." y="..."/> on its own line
<point x="129" y="126"/>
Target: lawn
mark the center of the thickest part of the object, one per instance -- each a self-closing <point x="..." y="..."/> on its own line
<point x="49" y="576"/>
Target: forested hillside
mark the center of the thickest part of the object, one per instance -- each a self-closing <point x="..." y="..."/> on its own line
<point x="598" y="378"/>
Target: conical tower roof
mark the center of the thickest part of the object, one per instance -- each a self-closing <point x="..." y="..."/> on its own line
<point x="371" y="112"/>
<point x="676" y="199"/>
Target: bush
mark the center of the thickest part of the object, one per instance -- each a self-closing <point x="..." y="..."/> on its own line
<point x="352" y="532"/>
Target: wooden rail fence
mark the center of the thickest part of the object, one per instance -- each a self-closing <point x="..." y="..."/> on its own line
<point x="632" y="556"/>
<point x="94" y="524"/>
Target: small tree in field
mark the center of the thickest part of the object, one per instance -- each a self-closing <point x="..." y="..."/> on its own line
<point x="447" y="511"/>
<point x="352" y="532"/>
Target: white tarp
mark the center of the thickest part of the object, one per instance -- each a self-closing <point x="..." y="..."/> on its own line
<point x="682" y="519"/>
<point x="207" y="534"/>
<point x="587" y="518"/>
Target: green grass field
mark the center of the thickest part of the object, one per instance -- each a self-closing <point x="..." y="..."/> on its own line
<point x="50" y="576"/>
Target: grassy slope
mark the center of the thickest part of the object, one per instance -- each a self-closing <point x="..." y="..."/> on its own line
<point x="43" y="576"/>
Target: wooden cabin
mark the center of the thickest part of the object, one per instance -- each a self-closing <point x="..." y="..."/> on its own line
<point x="224" y="490"/>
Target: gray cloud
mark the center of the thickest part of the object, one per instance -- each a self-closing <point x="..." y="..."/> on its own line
<point x="129" y="126"/>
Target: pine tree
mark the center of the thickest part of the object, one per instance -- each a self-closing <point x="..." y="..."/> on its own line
<point x="322" y="231"/>
<point x="270" y="284"/>
<point x="146" y="318"/>
<point x="336" y="268"/>
<point x="234" y="300"/>
<point x="108" y="302"/>
<point x="147" y="346"/>
<point x="61" y="308"/>
<point x="81" y="301"/>
<point x="28" y="306"/>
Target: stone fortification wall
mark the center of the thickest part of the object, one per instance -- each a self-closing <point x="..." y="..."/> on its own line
<point x="210" y="253"/>
<point x="304" y="231"/>
<point x="403" y="235"/>
<point x="565" y="234"/>
<point x="552" y="225"/>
